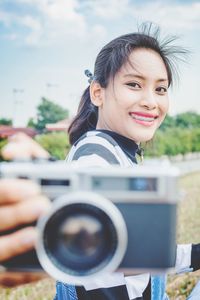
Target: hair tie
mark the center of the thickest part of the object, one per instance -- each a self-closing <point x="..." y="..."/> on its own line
<point x="89" y="75"/>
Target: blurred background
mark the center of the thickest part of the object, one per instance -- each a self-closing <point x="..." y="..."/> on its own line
<point x="46" y="45"/>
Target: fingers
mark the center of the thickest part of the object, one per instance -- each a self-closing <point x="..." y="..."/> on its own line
<point x="21" y="145"/>
<point x="14" y="190"/>
<point x="17" y="243"/>
<point x="23" y="212"/>
<point x="11" y="279"/>
<point x="16" y="151"/>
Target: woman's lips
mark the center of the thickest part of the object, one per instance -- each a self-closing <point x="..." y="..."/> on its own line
<point x="143" y="118"/>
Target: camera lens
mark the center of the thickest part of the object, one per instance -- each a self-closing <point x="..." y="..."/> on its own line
<point x="80" y="238"/>
<point x="83" y="236"/>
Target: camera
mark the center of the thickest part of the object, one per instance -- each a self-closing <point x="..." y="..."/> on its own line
<point x="101" y="220"/>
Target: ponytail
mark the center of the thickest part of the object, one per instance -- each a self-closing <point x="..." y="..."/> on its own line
<point x="86" y="118"/>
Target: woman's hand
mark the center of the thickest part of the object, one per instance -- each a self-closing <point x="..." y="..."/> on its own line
<point x="21" y="203"/>
<point x="21" y="146"/>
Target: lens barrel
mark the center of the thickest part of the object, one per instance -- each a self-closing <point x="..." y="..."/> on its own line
<point x="84" y="236"/>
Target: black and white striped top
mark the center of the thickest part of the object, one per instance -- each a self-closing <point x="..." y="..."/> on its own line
<point x="102" y="148"/>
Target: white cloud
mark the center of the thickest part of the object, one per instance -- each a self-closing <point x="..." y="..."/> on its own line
<point x="56" y="20"/>
<point x="28" y="21"/>
<point x="168" y="14"/>
<point x="61" y="10"/>
<point x="111" y="9"/>
<point x="5" y="18"/>
<point x="98" y="31"/>
<point x="35" y="27"/>
<point x="173" y="16"/>
<point x="62" y="19"/>
<point x="11" y="37"/>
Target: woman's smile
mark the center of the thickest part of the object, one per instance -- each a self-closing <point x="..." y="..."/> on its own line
<point x="143" y="118"/>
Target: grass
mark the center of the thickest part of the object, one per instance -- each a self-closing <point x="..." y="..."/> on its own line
<point x="178" y="287"/>
<point x="41" y="290"/>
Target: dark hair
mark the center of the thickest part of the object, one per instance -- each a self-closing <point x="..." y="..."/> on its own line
<point x="109" y="61"/>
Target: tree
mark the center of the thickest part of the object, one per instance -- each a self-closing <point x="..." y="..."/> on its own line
<point x="32" y="123"/>
<point x="48" y="112"/>
<point x="168" y="123"/>
<point x="4" y="121"/>
<point x="187" y="120"/>
<point x="56" y="143"/>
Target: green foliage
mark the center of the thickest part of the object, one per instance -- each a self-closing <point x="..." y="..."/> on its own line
<point x="56" y="143"/>
<point x="195" y="140"/>
<point x="187" y="120"/>
<point x="3" y="142"/>
<point x="32" y="123"/>
<point x="177" y="135"/>
<point x="183" y="120"/>
<point x="173" y="141"/>
<point x="4" y="121"/>
<point x="168" y="123"/>
<point x="48" y="112"/>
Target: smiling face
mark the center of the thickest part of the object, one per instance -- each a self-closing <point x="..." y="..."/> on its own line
<point x="135" y="102"/>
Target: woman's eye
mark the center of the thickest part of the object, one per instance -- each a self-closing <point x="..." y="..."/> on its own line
<point x="162" y="90"/>
<point x="134" y="85"/>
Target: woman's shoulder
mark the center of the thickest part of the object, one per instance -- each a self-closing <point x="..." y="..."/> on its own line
<point x="94" y="145"/>
<point x="96" y="136"/>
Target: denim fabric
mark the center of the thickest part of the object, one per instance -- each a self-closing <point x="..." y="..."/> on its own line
<point x="158" y="288"/>
<point x="65" y="292"/>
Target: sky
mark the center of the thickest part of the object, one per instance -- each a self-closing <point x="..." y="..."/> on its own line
<point x="45" y="46"/>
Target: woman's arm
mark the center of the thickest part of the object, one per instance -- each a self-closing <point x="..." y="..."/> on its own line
<point x="187" y="258"/>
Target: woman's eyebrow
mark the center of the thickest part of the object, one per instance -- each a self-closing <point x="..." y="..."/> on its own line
<point x="143" y="78"/>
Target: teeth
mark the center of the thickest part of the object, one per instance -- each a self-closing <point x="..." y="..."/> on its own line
<point x="143" y="118"/>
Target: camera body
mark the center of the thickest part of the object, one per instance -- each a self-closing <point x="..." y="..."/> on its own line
<point x="102" y="219"/>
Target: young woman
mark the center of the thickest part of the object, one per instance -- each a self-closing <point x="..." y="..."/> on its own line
<point x="125" y="103"/>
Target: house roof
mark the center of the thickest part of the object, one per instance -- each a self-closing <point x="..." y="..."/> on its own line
<point x="58" y="126"/>
<point x="6" y="131"/>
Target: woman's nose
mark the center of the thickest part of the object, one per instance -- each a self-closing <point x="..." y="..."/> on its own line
<point x="149" y="100"/>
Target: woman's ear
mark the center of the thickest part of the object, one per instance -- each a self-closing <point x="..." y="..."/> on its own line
<point x="96" y="93"/>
